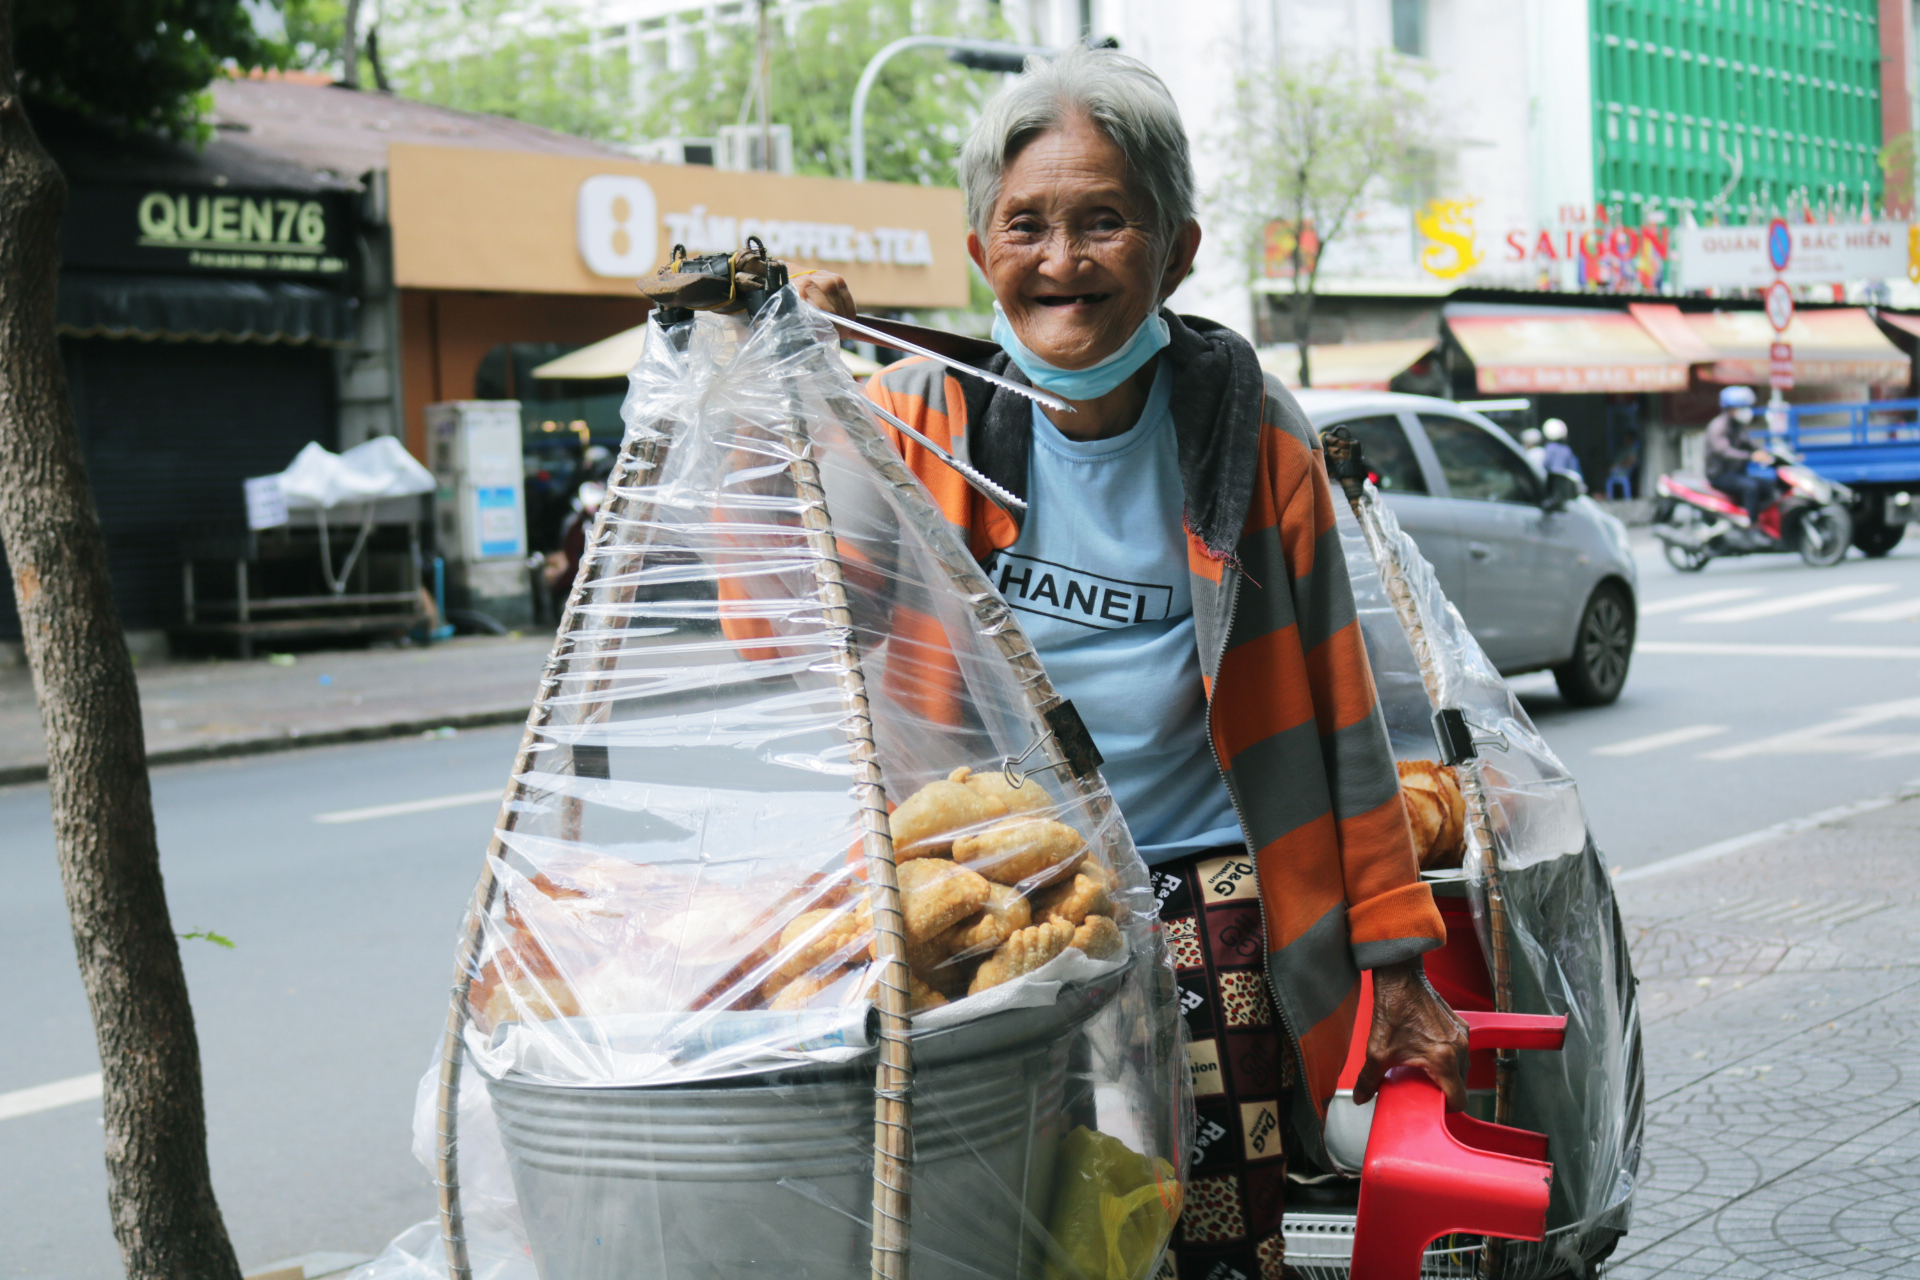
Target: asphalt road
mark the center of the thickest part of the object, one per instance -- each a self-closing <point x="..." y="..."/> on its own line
<point x="1761" y="690"/>
<point x="316" y="1026"/>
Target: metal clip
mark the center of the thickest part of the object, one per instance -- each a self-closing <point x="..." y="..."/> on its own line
<point x="1460" y="738"/>
<point x="1017" y="778"/>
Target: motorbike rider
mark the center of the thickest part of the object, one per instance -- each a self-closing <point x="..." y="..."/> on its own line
<point x="1730" y="449"/>
<point x="1558" y="455"/>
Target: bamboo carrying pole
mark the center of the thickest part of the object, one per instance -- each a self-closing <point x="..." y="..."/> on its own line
<point x="1342" y="457"/>
<point x="893" y="1078"/>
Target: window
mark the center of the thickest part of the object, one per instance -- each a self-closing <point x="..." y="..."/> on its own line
<point x="1478" y="467"/>
<point x="1410" y="27"/>
<point x="1388" y="453"/>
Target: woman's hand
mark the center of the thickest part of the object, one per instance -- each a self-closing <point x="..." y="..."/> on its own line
<point x="826" y="291"/>
<point x="1412" y="1027"/>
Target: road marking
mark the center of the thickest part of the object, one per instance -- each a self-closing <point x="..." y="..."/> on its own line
<point x="1733" y="649"/>
<point x="1793" y="604"/>
<point x="409" y="806"/>
<point x="1697" y="600"/>
<point x="1655" y="741"/>
<point x="1898" y="611"/>
<point x="1721" y="848"/>
<point x="1840" y="736"/>
<point x="47" y="1097"/>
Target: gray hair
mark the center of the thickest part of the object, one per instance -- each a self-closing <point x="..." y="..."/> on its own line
<point x="1124" y="99"/>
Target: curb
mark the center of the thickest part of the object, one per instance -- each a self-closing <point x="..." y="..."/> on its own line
<point x="294" y="740"/>
<point x="1792" y="826"/>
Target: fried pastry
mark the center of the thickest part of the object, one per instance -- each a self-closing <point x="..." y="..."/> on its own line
<point x="920" y="994"/>
<point x="1436" y="812"/>
<point x="1005" y="914"/>
<point x="923" y="827"/>
<point x="1028" y="797"/>
<point x="540" y="998"/>
<point x="1088" y="893"/>
<point x="935" y="895"/>
<point x="798" y="993"/>
<point x="1024" y="952"/>
<point x="1021" y="849"/>
<point x="814" y="937"/>
<point x="1099" y="937"/>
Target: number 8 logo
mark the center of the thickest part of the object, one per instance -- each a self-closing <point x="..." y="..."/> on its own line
<point x="617" y="223"/>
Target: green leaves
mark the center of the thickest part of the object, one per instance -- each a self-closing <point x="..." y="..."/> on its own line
<point x="1310" y="141"/>
<point x="137" y="64"/>
<point x="917" y="116"/>
<point x="207" y="935"/>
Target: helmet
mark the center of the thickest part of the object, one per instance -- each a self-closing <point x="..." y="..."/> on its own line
<point x="1554" y="429"/>
<point x="1531" y="436"/>
<point x="1736" y="398"/>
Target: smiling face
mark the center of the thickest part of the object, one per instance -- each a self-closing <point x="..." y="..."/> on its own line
<point x="1069" y="249"/>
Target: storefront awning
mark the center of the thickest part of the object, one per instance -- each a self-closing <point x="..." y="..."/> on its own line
<point x="1358" y="366"/>
<point x="1908" y="324"/>
<point x="186" y="309"/>
<point x="615" y="357"/>
<point x="1565" y="352"/>
<point x="1830" y="347"/>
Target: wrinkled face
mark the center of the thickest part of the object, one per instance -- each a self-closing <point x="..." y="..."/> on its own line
<point x="1068" y="248"/>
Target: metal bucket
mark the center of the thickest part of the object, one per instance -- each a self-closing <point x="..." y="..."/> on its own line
<point x="769" y="1176"/>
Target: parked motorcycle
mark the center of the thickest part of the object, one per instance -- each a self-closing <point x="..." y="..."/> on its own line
<point x="1696" y="522"/>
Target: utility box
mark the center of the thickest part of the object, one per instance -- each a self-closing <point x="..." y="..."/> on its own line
<point x="480" y="507"/>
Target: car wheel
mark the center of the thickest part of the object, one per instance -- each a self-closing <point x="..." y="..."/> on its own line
<point x="1877" y="539"/>
<point x="1824" y="535"/>
<point x="1602" y="649"/>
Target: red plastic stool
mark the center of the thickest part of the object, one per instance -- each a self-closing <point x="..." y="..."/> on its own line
<point x="1430" y="1174"/>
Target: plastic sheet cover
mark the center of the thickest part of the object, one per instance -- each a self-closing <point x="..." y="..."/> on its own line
<point x="671" y="1036"/>
<point x="1567" y="951"/>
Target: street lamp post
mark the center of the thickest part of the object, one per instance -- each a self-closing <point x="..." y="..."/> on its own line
<point x="1012" y="53"/>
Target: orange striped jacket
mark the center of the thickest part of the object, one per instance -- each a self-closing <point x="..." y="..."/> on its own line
<point x="1291" y="706"/>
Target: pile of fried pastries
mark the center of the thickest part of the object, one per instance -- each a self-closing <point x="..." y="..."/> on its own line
<point x="1437" y="812"/>
<point x="991" y="889"/>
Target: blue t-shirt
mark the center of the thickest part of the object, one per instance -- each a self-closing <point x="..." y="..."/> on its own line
<point x="1099" y="576"/>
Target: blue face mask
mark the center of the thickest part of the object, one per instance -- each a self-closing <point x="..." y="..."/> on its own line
<point x="1095" y="381"/>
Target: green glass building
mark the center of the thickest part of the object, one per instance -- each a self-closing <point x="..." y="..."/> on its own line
<point x="1730" y="107"/>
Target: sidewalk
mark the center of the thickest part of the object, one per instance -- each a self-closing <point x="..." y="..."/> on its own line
<point x="1780" y="988"/>
<point x="199" y="710"/>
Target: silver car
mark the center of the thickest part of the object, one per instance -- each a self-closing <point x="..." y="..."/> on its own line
<point x="1543" y="577"/>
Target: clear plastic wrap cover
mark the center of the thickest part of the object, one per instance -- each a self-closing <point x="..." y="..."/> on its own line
<point x="672" y="1035"/>
<point x="1567" y="951"/>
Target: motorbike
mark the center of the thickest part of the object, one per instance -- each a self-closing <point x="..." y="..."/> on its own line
<point x="1695" y="522"/>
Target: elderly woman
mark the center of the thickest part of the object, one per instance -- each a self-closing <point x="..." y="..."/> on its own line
<point x="1178" y="570"/>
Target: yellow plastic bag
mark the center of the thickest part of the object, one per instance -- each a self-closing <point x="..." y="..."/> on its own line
<point x="1113" y="1209"/>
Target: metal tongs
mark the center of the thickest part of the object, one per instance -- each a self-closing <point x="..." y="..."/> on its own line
<point x="894" y="334"/>
<point x="891" y="333"/>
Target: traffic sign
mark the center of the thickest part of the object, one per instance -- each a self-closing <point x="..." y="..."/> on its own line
<point x="1779" y="300"/>
<point x="1779" y="244"/>
<point x="1780" y="356"/>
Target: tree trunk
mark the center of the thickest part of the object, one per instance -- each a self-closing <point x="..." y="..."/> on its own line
<point x="158" y="1184"/>
<point x="350" y="44"/>
<point x="1303" y="325"/>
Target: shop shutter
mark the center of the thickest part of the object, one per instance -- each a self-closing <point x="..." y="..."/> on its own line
<point x="170" y="430"/>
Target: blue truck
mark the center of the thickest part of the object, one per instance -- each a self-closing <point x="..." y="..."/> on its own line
<point x="1873" y="448"/>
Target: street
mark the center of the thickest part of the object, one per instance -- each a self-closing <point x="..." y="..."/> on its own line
<point x="1763" y="691"/>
